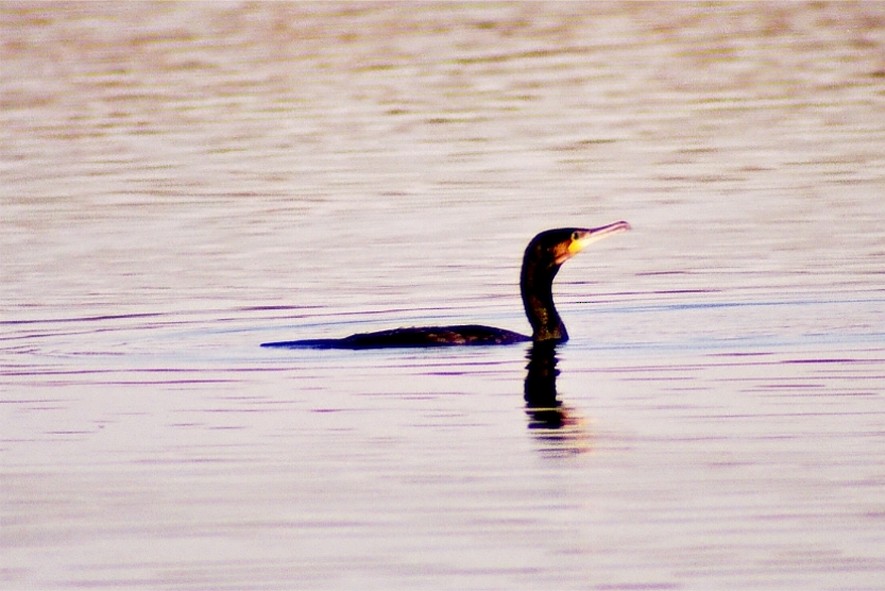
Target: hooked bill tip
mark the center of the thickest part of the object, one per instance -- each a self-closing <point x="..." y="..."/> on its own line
<point x="614" y="227"/>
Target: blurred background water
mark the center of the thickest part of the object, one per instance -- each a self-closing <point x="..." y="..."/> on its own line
<point x="183" y="181"/>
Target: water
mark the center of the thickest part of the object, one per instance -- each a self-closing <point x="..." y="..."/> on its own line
<point x="181" y="182"/>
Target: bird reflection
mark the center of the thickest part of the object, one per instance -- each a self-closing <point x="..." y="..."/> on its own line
<point x="556" y="425"/>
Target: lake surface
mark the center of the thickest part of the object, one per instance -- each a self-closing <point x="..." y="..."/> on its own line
<point x="182" y="182"/>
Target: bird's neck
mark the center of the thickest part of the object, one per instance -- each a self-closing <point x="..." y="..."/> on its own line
<point x="536" y="285"/>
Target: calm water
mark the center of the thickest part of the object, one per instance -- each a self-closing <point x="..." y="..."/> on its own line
<point x="181" y="182"/>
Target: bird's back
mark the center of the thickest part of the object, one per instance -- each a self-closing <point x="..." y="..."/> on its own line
<point x="416" y="336"/>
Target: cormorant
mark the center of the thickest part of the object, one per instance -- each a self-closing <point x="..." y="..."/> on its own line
<point x="544" y="255"/>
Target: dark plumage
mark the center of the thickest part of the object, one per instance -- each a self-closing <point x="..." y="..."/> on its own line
<point x="543" y="257"/>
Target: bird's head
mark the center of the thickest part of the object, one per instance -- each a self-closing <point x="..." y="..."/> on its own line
<point x="561" y="244"/>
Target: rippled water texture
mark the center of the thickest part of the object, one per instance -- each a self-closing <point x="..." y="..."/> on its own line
<point x="182" y="182"/>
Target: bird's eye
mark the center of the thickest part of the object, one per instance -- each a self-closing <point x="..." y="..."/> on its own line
<point x="576" y="235"/>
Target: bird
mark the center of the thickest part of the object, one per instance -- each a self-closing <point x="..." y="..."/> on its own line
<point x="543" y="257"/>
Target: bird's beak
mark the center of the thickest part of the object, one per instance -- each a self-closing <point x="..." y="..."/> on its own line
<point x="594" y="234"/>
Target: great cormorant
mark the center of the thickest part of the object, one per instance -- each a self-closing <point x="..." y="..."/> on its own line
<point x="543" y="257"/>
